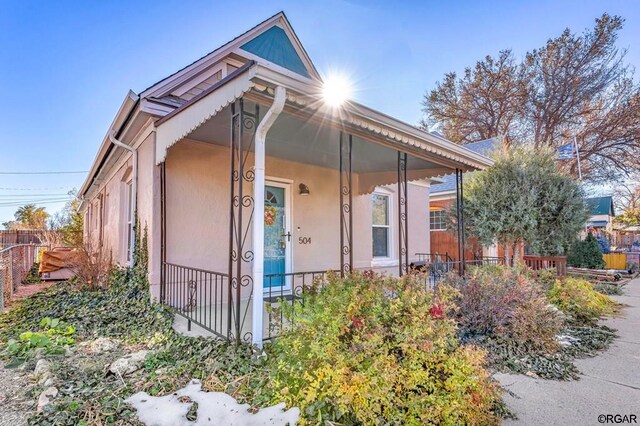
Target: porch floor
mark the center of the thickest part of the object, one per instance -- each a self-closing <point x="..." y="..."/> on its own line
<point x="203" y="313"/>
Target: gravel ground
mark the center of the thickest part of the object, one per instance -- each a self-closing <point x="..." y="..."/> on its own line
<point x="15" y="403"/>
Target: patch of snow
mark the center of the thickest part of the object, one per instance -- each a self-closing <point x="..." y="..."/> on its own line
<point x="214" y="408"/>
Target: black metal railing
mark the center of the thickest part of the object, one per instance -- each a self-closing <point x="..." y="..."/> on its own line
<point x="435" y="266"/>
<point x="286" y="288"/>
<point x="434" y="257"/>
<point x="200" y="296"/>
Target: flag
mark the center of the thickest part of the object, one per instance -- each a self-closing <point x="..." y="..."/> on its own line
<point x="565" y="152"/>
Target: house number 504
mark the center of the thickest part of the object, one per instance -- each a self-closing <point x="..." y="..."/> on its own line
<point x="304" y="240"/>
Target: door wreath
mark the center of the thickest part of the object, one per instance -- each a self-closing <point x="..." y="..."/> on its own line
<point x="270" y="215"/>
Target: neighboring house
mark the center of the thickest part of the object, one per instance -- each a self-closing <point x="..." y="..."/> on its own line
<point x="442" y="197"/>
<point x="246" y="179"/>
<point x="626" y="237"/>
<point x="602" y="214"/>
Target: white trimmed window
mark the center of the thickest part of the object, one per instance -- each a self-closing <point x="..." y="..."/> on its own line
<point x="380" y="226"/>
<point x="438" y="220"/>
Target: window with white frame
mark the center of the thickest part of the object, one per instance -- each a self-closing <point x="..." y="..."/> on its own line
<point x="380" y="225"/>
<point x="438" y="220"/>
<point x="128" y="191"/>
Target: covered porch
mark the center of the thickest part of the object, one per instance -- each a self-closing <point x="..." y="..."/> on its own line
<point x="265" y="188"/>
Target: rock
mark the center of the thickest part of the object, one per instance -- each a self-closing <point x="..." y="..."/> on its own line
<point x="42" y="366"/>
<point x="104" y="344"/>
<point x="45" y="398"/>
<point x="44" y="378"/>
<point x="39" y="353"/>
<point x="128" y="363"/>
<point x="48" y="383"/>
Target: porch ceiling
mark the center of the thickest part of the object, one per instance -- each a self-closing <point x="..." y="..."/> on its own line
<point x="309" y="142"/>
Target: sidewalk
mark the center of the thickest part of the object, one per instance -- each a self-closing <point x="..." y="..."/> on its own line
<point x="610" y="381"/>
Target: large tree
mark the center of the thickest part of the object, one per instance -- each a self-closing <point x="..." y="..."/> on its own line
<point x="29" y="217"/>
<point x="577" y="85"/>
<point x="524" y="198"/>
<point x="68" y="224"/>
<point x="627" y="200"/>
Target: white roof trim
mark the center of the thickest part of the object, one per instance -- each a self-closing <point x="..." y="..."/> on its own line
<point x="371" y="120"/>
<point x="440" y="196"/>
<point x="193" y="114"/>
<point x="368" y="182"/>
<point x="179" y="126"/>
<point x="125" y="108"/>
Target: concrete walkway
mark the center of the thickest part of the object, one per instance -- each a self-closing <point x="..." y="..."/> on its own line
<point x="610" y="381"/>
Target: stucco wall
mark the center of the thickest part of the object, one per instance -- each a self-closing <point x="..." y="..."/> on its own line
<point x="107" y="224"/>
<point x="198" y="212"/>
<point x="197" y="196"/>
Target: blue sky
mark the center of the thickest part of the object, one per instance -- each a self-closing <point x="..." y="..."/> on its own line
<point x="67" y="65"/>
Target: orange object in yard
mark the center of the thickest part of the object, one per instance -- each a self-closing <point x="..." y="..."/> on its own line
<point x="615" y="260"/>
<point x="53" y="260"/>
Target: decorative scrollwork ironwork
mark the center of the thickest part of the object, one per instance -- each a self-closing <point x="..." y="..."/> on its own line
<point x="403" y="237"/>
<point x="243" y="126"/>
<point x="249" y="175"/>
<point x="346" y="198"/>
<point x="192" y="302"/>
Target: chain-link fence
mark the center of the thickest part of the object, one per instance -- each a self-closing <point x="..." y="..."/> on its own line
<point x="15" y="263"/>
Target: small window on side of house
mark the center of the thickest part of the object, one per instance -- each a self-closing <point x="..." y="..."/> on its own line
<point x="438" y="220"/>
<point x="380" y="225"/>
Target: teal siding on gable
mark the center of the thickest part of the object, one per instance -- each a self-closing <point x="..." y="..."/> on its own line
<point x="274" y="46"/>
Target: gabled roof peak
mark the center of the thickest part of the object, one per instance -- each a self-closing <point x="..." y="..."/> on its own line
<point x="273" y="41"/>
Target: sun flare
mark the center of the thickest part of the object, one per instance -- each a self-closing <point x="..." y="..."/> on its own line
<point x="336" y="90"/>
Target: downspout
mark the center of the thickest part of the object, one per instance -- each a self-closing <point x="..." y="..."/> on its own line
<point x="134" y="194"/>
<point x="258" y="223"/>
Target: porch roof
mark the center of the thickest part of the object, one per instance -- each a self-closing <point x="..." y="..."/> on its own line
<point x="201" y="118"/>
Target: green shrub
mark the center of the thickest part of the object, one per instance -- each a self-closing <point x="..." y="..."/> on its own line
<point x="577" y="298"/>
<point x="33" y="276"/>
<point x="54" y="336"/>
<point x="546" y="278"/>
<point x="370" y="349"/>
<point x="504" y="303"/>
<point x="586" y="254"/>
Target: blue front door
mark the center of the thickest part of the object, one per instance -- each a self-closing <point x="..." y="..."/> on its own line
<point x="275" y="240"/>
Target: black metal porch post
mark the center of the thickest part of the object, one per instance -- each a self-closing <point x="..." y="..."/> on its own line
<point x="232" y="198"/>
<point x="403" y="219"/>
<point x="460" y="221"/>
<point x="346" y="198"/>
<point x="241" y="208"/>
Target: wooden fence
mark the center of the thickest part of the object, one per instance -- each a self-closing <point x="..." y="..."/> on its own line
<point x="559" y="263"/>
<point x="447" y="242"/>
<point x="615" y="260"/>
<point x="27" y="236"/>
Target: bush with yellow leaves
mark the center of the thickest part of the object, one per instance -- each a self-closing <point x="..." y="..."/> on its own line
<point x="371" y="349"/>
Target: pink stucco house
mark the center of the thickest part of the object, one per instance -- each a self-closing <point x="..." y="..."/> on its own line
<point x="251" y="182"/>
